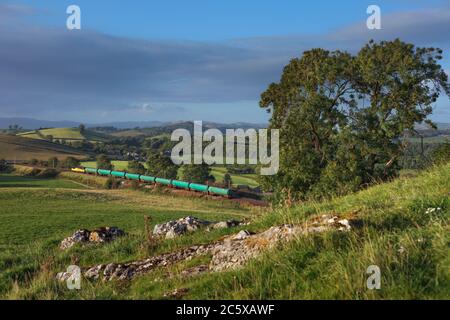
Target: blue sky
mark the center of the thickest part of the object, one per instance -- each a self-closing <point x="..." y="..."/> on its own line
<point x="183" y="60"/>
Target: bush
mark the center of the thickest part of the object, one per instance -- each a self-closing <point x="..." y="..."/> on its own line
<point x="32" y="173"/>
<point x="136" y="167"/>
<point x="5" y="167"/>
<point x="71" y="162"/>
<point x="47" y="173"/>
<point x="442" y="154"/>
<point x="104" y="163"/>
<point x="112" y="183"/>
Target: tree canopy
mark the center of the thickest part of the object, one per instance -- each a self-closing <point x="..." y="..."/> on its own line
<point x="341" y="116"/>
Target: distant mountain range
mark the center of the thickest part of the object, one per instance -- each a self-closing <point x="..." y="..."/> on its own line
<point x="29" y="123"/>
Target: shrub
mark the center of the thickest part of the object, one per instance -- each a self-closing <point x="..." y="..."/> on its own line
<point x="5" y="167"/>
<point x="112" y="183"/>
<point x="47" y="173"/>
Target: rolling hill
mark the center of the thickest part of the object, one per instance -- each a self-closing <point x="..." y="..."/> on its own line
<point x="20" y="148"/>
<point x="68" y="134"/>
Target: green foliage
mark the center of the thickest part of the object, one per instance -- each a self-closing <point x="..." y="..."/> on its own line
<point x="47" y="173"/>
<point x="198" y="173"/>
<point x="442" y="154"/>
<point x="227" y="181"/>
<point x="341" y="116"/>
<point x="5" y="167"/>
<point x="53" y="162"/>
<point x="136" y="167"/>
<point x="161" y="166"/>
<point x="71" y="162"/>
<point x="34" y="162"/>
<point x="103" y="162"/>
<point x="112" y="183"/>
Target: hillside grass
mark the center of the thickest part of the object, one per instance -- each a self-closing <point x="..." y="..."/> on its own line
<point x="14" y="181"/>
<point x="68" y="134"/>
<point x="396" y="232"/>
<point x="21" y="148"/>
<point x="35" y="220"/>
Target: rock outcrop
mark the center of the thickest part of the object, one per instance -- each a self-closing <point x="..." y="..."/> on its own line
<point x="228" y="253"/>
<point x="175" y="228"/>
<point x="83" y="236"/>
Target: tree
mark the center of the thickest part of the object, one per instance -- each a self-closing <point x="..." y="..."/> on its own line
<point x="227" y="181"/>
<point x="34" y="162"/>
<point x="305" y="108"/>
<point x="13" y="129"/>
<point x="341" y="117"/>
<point x="103" y="162"/>
<point x="161" y="166"/>
<point x="53" y="162"/>
<point x="5" y="167"/>
<point x="136" y="167"/>
<point x="82" y="128"/>
<point x="198" y="173"/>
<point x="71" y="162"/>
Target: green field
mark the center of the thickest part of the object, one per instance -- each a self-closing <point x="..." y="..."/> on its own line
<point x="20" y="148"/>
<point x="37" y="214"/>
<point x="217" y="171"/>
<point x="13" y="181"/>
<point x="68" y="134"/>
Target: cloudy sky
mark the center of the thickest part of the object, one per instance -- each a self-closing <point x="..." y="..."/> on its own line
<point x="183" y="60"/>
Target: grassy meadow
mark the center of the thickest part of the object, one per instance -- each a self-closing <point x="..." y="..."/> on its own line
<point x="397" y="232"/>
<point x="22" y="148"/>
<point x="68" y="134"/>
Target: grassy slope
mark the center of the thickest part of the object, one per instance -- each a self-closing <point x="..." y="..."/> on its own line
<point x="34" y="220"/>
<point x="409" y="245"/>
<point x="14" y="181"/>
<point x="66" y="133"/>
<point x="20" y="148"/>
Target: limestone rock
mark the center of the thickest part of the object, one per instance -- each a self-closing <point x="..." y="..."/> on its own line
<point x="83" y="236"/>
<point x="175" y="228"/>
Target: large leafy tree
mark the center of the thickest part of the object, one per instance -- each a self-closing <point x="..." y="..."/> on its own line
<point x="305" y="106"/>
<point x="198" y="173"/>
<point x="160" y="165"/>
<point x="341" y="116"/>
<point x="103" y="162"/>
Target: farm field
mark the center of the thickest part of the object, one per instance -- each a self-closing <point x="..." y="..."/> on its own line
<point x="68" y="134"/>
<point x="20" y="148"/>
<point x="14" y="181"/>
<point x="217" y="171"/>
<point x="38" y="213"/>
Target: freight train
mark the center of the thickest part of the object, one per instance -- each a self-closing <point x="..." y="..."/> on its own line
<point x="149" y="179"/>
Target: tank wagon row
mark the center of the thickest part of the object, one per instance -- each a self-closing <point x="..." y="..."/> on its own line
<point x="149" y="179"/>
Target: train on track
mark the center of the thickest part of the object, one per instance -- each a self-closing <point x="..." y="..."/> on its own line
<point x="149" y="179"/>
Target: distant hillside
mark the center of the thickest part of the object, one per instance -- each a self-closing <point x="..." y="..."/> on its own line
<point x="32" y="124"/>
<point x="20" y="148"/>
<point x="169" y="128"/>
<point x="68" y="134"/>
